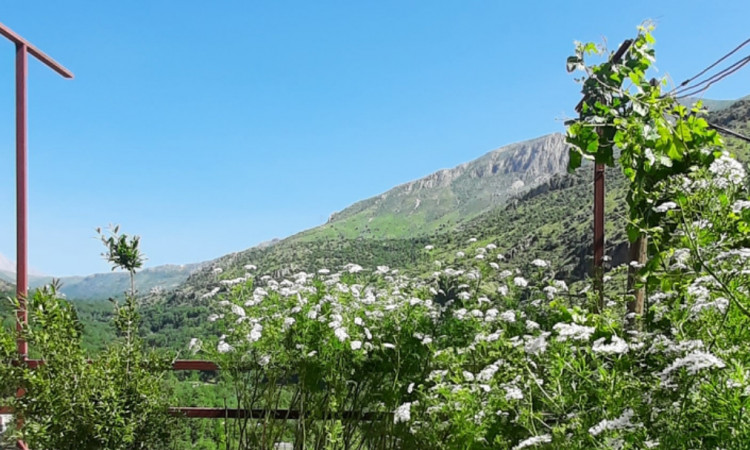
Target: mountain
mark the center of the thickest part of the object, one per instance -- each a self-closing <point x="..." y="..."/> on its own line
<point x="518" y="197"/>
<point x="393" y="227"/>
<point x="710" y="104"/>
<point x="101" y="286"/>
<point x="444" y="198"/>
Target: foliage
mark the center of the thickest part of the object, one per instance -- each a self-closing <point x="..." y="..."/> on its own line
<point x="513" y="358"/>
<point x="122" y="252"/>
<point x="624" y="111"/>
<point x="116" y="401"/>
<point x="484" y="355"/>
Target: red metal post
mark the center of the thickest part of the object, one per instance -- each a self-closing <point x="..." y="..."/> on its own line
<point x="22" y="277"/>
<point x="23" y="49"/>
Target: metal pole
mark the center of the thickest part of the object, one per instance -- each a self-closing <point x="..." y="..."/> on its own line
<point x="22" y="277"/>
<point x="598" y="271"/>
<point x="23" y="49"/>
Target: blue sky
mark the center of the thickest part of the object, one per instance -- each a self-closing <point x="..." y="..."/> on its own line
<point x="208" y="127"/>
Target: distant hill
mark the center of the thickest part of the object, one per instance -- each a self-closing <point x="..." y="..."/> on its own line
<point x="6" y="265"/>
<point x="710" y="104"/>
<point x="390" y="228"/>
<point x="102" y="286"/>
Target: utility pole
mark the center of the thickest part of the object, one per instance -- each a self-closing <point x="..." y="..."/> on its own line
<point x="598" y="269"/>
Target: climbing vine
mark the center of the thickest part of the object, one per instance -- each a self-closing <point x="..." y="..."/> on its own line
<point x="627" y="118"/>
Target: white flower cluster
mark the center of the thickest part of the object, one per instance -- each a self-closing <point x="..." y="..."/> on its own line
<point x="727" y="171"/>
<point x="617" y="347"/>
<point x="573" y="331"/>
<point x="402" y="413"/>
<point x="693" y="362"/>
<point x="534" y="441"/>
<point x="621" y="423"/>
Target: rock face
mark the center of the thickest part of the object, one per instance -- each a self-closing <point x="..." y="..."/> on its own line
<point x="450" y="194"/>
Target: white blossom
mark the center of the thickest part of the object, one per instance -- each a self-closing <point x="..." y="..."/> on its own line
<point x="341" y="334"/>
<point x="513" y="393"/>
<point x="487" y="373"/>
<point x="537" y="345"/>
<point x="693" y="363"/>
<point x="617" y="346"/>
<point x="740" y="205"/>
<point x="402" y="413"/>
<point x="508" y="316"/>
<point x="572" y="331"/>
<point x="238" y="310"/>
<point x="534" y="441"/>
<point x="195" y="345"/>
<point x="621" y="423"/>
<point x="727" y="171"/>
<point x="223" y="347"/>
<point x="664" y="207"/>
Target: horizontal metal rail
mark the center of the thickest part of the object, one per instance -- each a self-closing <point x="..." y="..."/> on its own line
<point x="193" y="412"/>
<point x="178" y="364"/>
<point x="275" y="414"/>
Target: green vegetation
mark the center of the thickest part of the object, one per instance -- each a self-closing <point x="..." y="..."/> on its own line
<point x="443" y="317"/>
<point x="117" y="400"/>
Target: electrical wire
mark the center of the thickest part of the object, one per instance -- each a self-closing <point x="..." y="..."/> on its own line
<point x="702" y="72"/>
<point x="708" y="82"/>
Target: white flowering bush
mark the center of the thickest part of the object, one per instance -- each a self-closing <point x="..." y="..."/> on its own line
<point x="485" y="355"/>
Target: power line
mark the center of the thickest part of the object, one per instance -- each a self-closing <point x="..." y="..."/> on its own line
<point x="708" y="82"/>
<point x="689" y="80"/>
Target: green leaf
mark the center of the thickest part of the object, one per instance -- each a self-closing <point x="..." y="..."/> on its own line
<point x="633" y="233"/>
<point x="574" y="159"/>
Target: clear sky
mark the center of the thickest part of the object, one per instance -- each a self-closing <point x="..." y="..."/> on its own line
<point x="208" y="127"/>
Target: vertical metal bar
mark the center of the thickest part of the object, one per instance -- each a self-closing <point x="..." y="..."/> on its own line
<point x="22" y="277"/>
<point x="599" y="232"/>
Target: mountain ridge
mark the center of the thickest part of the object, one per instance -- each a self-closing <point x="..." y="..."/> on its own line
<point x="448" y="196"/>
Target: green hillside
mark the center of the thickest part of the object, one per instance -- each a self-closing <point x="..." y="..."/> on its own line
<point x="441" y="200"/>
<point x="550" y="220"/>
<point x="710" y="104"/>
